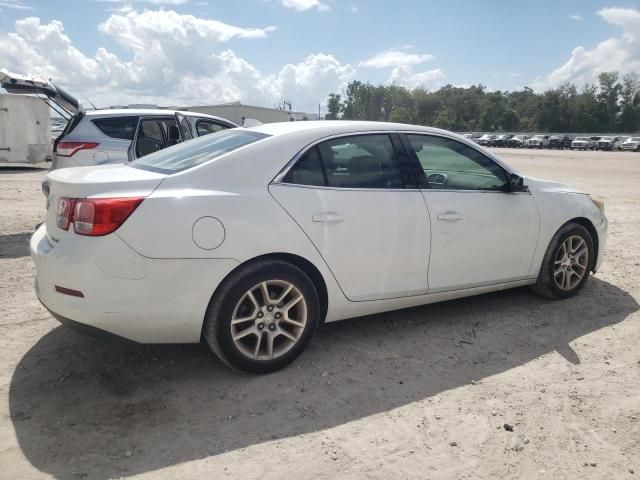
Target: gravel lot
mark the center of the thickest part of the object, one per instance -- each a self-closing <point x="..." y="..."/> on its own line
<point x="421" y="393"/>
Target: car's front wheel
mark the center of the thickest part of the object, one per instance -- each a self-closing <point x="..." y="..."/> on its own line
<point x="567" y="262"/>
<point x="262" y="317"/>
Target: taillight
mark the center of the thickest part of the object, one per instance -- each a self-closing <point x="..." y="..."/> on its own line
<point x="63" y="215"/>
<point x="95" y="217"/>
<point x="67" y="149"/>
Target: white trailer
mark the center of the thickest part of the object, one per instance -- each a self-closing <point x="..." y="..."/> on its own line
<point x="24" y="129"/>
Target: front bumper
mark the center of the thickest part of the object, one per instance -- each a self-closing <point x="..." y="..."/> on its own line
<point x="602" y="228"/>
<point x="125" y="294"/>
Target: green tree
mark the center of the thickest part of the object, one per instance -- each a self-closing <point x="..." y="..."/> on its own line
<point x="630" y="103"/>
<point x="608" y="98"/>
<point x="334" y="106"/>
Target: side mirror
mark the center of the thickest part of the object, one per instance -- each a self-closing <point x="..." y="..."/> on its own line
<point x="516" y="183"/>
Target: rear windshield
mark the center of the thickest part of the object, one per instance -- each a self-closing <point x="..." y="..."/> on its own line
<point x="194" y="152"/>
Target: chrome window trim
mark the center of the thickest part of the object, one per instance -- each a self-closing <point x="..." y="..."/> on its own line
<point x="430" y="190"/>
<point x="280" y="175"/>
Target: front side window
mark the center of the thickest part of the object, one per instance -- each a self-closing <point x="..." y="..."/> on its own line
<point x="451" y="165"/>
<point x="197" y="151"/>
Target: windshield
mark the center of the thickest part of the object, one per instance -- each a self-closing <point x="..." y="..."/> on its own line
<point x="582" y="139"/>
<point x="194" y="152"/>
<point x="538" y="137"/>
<point x="607" y="138"/>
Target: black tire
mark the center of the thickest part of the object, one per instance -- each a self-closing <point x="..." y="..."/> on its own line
<point x="217" y="324"/>
<point x="545" y="285"/>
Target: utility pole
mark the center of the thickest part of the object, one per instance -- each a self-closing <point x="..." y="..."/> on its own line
<point x="319" y="117"/>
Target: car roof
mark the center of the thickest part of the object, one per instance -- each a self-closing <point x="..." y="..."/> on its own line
<point x="331" y="127"/>
<point x="128" y="112"/>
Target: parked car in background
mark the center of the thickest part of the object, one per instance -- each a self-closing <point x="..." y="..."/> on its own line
<point x="501" y="140"/>
<point x="582" y="143"/>
<point x="252" y="237"/>
<point x="631" y="144"/>
<point x="517" y="141"/>
<point x="559" y="142"/>
<point x="105" y="136"/>
<point x="116" y="136"/>
<point x="486" y="140"/>
<point x="538" y="141"/>
<point x="608" y="143"/>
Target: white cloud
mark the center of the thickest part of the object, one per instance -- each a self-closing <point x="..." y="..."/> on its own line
<point x="15" y="4"/>
<point x="353" y="9"/>
<point x="395" y="57"/>
<point x="152" y="2"/>
<point x="303" y="5"/>
<point x="621" y="53"/>
<point x="576" y="17"/>
<point x="171" y="59"/>
<point x="405" y="76"/>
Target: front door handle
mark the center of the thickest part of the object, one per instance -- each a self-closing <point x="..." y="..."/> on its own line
<point x="450" y="217"/>
<point x="328" y="217"/>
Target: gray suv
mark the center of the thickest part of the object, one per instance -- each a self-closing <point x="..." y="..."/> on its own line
<point x="104" y="136"/>
<point x="116" y="136"/>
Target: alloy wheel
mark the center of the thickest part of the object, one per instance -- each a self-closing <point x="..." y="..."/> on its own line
<point x="571" y="263"/>
<point x="269" y="320"/>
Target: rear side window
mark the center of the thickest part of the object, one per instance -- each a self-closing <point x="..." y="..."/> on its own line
<point x="358" y="161"/>
<point x="205" y="127"/>
<point x="307" y="170"/>
<point x="117" y="127"/>
<point x="197" y="151"/>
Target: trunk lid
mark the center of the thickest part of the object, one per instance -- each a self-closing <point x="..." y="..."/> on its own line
<point x="108" y="181"/>
<point x="34" y="85"/>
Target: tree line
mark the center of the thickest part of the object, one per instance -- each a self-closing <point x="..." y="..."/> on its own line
<point x="610" y="105"/>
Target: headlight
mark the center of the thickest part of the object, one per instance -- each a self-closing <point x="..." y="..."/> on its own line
<point x="598" y="202"/>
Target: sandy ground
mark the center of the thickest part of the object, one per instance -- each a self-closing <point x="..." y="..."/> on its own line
<point x="420" y="393"/>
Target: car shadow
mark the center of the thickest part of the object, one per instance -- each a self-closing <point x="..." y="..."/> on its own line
<point x="15" y="245"/>
<point x="123" y="409"/>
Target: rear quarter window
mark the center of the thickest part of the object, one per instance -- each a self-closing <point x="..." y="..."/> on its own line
<point x="123" y="128"/>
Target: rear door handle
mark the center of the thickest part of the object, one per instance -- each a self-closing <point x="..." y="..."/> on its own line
<point x="328" y="217"/>
<point x="449" y="217"/>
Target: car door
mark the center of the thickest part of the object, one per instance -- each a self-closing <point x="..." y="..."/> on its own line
<point x="355" y="201"/>
<point x="153" y="134"/>
<point x="481" y="233"/>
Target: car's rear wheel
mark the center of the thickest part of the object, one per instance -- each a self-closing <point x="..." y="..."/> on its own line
<point x="567" y="263"/>
<point x="262" y="317"/>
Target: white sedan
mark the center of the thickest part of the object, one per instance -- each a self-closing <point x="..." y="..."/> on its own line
<point x="249" y="238"/>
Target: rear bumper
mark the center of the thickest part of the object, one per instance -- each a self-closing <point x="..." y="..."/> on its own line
<point x="124" y="294"/>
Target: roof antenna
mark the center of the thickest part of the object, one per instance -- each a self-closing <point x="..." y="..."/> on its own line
<point x="90" y="102"/>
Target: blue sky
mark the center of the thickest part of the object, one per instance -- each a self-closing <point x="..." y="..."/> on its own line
<point x="501" y="44"/>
